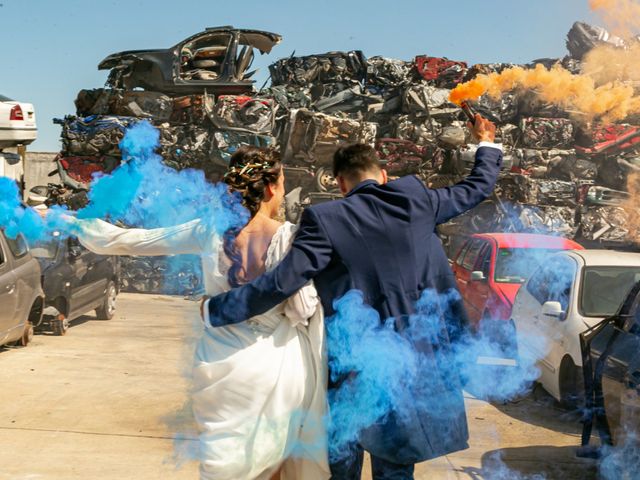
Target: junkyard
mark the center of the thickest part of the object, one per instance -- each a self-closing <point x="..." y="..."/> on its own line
<point x="98" y="336"/>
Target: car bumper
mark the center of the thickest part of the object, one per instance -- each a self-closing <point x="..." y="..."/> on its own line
<point x="15" y="136"/>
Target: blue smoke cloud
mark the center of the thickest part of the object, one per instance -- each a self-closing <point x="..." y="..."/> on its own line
<point x="141" y="192"/>
<point x="146" y="193"/>
<point x="386" y="368"/>
<point x="16" y="218"/>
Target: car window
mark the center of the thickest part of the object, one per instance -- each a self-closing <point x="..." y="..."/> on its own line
<point x="18" y="246"/>
<point x="553" y="282"/>
<point x="45" y="249"/>
<point x="204" y="57"/>
<point x="463" y="252"/>
<point x="515" y="265"/>
<point x="484" y="262"/>
<point x="605" y="288"/>
<point x="472" y="255"/>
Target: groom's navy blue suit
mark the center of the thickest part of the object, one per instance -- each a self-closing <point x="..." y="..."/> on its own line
<point x="381" y="240"/>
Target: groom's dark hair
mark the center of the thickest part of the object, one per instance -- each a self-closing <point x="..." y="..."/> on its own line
<point x="352" y="160"/>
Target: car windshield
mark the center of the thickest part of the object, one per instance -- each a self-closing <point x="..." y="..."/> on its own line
<point x="515" y="265"/>
<point x="47" y="250"/>
<point x="605" y="288"/>
<point x="5" y="99"/>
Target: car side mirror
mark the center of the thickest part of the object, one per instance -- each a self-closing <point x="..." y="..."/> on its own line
<point x="477" y="276"/>
<point x="74" y="253"/>
<point x="553" y="309"/>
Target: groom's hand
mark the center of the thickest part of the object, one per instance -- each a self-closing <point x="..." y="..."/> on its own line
<point x="204" y="299"/>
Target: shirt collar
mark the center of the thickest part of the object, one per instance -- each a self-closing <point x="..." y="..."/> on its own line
<point x="361" y="185"/>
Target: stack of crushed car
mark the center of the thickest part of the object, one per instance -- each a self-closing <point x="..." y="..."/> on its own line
<point x="557" y="176"/>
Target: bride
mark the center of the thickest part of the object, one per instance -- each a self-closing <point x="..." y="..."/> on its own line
<point x="258" y="386"/>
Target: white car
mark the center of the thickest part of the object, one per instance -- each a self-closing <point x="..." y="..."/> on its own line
<point x="571" y="292"/>
<point x="17" y="123"/>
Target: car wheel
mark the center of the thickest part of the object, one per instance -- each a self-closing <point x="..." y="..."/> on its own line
<point x="27" y="336"/>
<point x="60" y="326"/>
<point x="571" y="384"/>
<point x="108" y="307"/>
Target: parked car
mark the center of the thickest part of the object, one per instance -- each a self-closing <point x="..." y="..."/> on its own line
<point x="75" y="281"/>
<point x="217" y="60"/>
<point x="17" y="123"/>
<point x="490" y="268"/>
<point x="21" y="296"/>
<point x="571" y="292"/>
<point x="611" y="350"/>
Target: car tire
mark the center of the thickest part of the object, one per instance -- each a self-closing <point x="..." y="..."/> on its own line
<point x="59" y="327"/>
<point x="27" y="336"/>
<point x="108" y="307"/>
<point x="571" y="385"/>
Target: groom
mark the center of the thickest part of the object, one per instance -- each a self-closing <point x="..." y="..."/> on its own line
<point x="381" y="240"/>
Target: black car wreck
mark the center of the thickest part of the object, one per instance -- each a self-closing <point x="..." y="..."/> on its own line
<point x="611" y="356"/>
<point x="75" y="281"/>
<point x="216" y="60"/>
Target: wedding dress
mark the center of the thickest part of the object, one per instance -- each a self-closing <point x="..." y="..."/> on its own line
<point x="258" y="386"/>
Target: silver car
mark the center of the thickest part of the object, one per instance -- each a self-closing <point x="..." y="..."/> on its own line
<point x="21" y="295"/>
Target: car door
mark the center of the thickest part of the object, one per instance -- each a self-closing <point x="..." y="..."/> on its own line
<point x="458" y="271"/>
<point x="478" y="290"/>
<point x="554" y="282"/>
<point x="79" y="286"/>
<point x="27" y="276"/>
<point x="8" y="291"/>
<point x="99" y="272"/>
<point x="464" y="279"/>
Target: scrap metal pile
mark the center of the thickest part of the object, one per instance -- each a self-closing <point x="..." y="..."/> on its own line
<point x="557" y="176"/>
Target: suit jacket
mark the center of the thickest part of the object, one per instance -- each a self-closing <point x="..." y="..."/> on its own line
<point x="382" y="241"/>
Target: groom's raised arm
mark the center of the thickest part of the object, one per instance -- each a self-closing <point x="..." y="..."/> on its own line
<point x="310" y="253"/>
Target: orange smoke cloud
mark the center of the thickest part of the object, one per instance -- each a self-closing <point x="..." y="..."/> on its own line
<point x="578" y="94"/>
<point x="622" y="16"/>
<point x="632" y="207"/>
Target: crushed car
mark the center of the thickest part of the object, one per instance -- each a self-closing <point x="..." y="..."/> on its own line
<point x="216" y="60"/>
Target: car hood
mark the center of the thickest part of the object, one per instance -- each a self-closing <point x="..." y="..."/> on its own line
<point x="509" y="291"/>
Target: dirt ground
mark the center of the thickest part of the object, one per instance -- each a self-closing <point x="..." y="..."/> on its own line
<point x="109" y="400"/>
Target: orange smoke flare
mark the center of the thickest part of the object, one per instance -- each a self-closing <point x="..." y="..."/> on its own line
<point x="576" y="93"/>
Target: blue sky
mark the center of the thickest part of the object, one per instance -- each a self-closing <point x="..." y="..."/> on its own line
<point x="50" y="49"/>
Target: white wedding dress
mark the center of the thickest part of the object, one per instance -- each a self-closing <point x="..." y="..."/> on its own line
<point x="259" y="390"/>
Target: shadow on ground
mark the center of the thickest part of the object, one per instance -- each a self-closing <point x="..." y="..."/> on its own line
<point x="532" y="463"/>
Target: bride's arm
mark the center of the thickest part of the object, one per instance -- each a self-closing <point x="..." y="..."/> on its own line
<point x="107" y="239"/>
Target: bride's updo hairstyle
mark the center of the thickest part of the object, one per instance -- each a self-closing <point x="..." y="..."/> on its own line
<point x="251" y="169"/>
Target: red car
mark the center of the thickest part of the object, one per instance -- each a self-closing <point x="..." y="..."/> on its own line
<point x="491" y="267"/>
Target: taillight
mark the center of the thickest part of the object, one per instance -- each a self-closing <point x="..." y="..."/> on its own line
<point x="16" y="113"/>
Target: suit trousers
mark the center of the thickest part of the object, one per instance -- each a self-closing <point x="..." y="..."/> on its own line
<point x="350" y="468"/>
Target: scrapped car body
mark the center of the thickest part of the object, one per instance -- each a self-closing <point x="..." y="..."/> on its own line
<point x="611" y="354"/>
<point x="490" y="268"/>
<point x="21" y="296"/>
<point x="216" y="60"/>
<point x="75" y="281"/>
<point x="570" y="293"/>
<point x="17" y="123"/>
